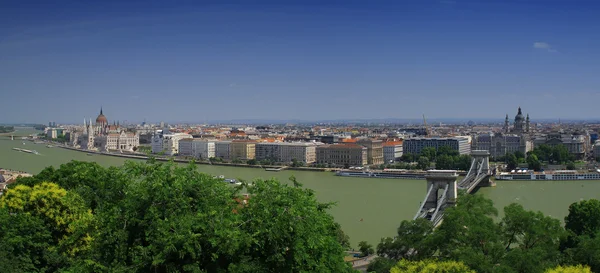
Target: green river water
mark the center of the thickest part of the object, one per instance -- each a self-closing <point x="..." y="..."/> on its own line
<point x="381" y="204"/>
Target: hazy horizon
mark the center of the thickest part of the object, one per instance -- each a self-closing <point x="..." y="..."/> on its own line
<point x="298" y="60"/>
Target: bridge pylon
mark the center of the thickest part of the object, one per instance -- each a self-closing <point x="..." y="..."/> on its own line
<point x="441" y="193"/>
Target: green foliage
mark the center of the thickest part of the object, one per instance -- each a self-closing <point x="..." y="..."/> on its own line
<point x="469" y="234"/>
<point x="251" y="162"/>
<point x="158" y="217"/>
<point x="413" y="241"/>
<point x="215" y="159"/>
<point x="534" y="163"/>
<point x="408" y="157"/>
<point x="430" y="266"/>
<point x="511" y="161"/>
<point x="570" y="166"/>
<point x="423" y="163"/>
<point x="365" y="248"/>
<point x="557" y="154"/>
<point x="570" y="269"/>
<point x="429" y="152"/>
<point x="296" y="163"/>
<point x="43" y="227"/>
<point x="532" y="239"/>
<point x="584" y="217"/>
<point x="381" y="265"/>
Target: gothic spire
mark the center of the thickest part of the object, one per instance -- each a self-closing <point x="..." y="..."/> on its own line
<point x="101" y="110"/>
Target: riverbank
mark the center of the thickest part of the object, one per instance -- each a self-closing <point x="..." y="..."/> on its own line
<point x="146" y="157"/>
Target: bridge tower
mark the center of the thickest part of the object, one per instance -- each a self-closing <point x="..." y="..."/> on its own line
<point x="435" y="201"/>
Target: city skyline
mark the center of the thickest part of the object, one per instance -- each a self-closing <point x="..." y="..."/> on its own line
<point x="311" y="61"/>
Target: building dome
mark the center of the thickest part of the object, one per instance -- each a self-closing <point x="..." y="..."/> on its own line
<point x="101" y="119"/>
<point x="519" y="116"/>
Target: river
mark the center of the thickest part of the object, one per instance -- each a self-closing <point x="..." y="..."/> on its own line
<point x="367" y="208"/>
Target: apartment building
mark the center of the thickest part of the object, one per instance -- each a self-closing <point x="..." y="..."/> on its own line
<point x="342" y="154"/>
<point x="302" y="152"/>
<point x="374" y="150"/>
<point x="416" y="145"/>
<point x="268" y="151"/>
<point x="167" y="143"/>
<point x="242" y="149"/>
<point x="223" y="149"/>
<point x="392" y="150"/>
<point x="197" y="148"/>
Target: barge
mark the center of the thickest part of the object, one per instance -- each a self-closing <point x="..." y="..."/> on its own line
<point x="386" y="173"/>
<point x="555" y="175"/>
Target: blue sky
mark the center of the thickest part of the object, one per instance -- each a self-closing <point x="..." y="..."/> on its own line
<point x="310" y="60"/>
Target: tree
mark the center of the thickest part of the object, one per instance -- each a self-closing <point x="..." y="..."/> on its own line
<point x="469" y="234"/>
<point x="444" y="162"/>
<point x="586" y="251"/>
<point x="423" y="163"/>
<point x="584" y="217"/>
<point x="381" y="265"/>
<point x="430" y="266"/>
<point x="51" y="213"/>
<point x="531" y="239"/>
<point x="463" y="162"/>
<point x="570" y="269"/>
<point x="447" y="150"/>
<point x="519" y="155"/>
<point x="533" y="163"/>
<point x="413" y="241"/>
<point x="407" y="157"/>
<point x="429" y="152"/>
<point x="251" y="162"/>
<point x="165" y="218"/>
<point x="571" y="166"/>
<point x="365" y="248"/>
<point x="512" y="161"/>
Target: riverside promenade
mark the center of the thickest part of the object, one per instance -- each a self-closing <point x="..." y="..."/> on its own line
<point x="180" y="160"/>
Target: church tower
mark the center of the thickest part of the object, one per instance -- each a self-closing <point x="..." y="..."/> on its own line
<point x="506" y="124"/>
<point x="527" y="124"/>
<point x="519" y="122"/>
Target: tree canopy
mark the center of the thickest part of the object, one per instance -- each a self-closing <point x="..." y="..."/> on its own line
<point x="159" y="217"/>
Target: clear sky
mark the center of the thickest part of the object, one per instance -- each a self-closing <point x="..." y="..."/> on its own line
<point x="310" y="60"/>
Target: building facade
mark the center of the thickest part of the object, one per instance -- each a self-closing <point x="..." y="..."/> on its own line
<point x="242" y="149"/>
<point x="416" y="145"/>
<point x="223" y="149"/>
<point x="167" y="143"/>
<point x="122" y="141"/>
<point x="374" y="150"/>
<point x="102" y="137"/>
<point x="302" y="152"/>
<point x="268" y="151"/>
<point x="576" y="144"/>
<point x="501" y="144"/>
<point x="392" y="151"/>
<point x="342" y="155"/>
<point x="197" y="148"/>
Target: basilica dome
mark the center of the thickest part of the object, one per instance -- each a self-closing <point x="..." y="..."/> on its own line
<point x="519" y="116"/>
<point x="101" y="119"/>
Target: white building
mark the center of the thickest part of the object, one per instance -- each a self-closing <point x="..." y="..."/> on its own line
<point x="223" y="149"/>
<point x="167" y="143"/>
<point x="122" y="141"/>
<point x="392" y="151"/>
<point x="302" y="152"/>
<point x="197" y="148"/>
